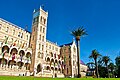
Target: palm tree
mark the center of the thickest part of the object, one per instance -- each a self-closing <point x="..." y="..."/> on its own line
<point x="106" y="59"/>
<point x="78" y="33"/>
<point x="95" y="54"/>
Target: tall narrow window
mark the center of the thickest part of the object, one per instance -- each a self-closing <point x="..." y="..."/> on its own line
<point x="39" y="46"/>
<point x="42" y="47"/>
<point x="42" y="55"/>
<point x="43" y="30"/>
<point x="41" y="19"/>
<point x="46" y="45"/>
<point x="40" y="37"/>
<point x="40" y="28"/>
<point x="44" y="21"/>
<point x="43" y="38"/>
<point x="69" y="62"/>
<point x="27" y="37"/>
<point x="67" y="70"/>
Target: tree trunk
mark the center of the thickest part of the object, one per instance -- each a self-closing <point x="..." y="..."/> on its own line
<point x="78" y="57"/>
<point x="107" y="70"/>
<point x="96" y="69"/>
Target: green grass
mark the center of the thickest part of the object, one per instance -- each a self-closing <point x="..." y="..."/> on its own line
<point x="36" y="78"/>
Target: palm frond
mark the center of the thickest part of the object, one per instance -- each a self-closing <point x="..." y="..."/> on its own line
<point x="95" y="54"/>
<point x="106" y="59"/>
<point x="79" y="32"/>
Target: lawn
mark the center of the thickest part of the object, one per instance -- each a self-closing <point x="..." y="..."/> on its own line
<point x="36" y="78"/>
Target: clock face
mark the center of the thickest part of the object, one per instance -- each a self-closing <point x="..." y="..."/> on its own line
<point x="36" y="14"/>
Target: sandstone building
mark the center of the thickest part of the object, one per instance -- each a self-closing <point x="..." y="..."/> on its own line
<point x="25" y="53"/>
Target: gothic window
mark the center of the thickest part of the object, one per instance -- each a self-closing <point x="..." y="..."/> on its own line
<point x="44" y="21"/>
<point x="74" y="49"/>
<point x="41" y="19"/>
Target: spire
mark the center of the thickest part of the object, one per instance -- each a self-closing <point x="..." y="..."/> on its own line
<point x="33" y="10"/>
<point x="73" y="39"/>
<point x="42" y="6"/>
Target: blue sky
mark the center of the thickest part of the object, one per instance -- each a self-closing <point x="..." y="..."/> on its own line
<point x="101" y="18"/>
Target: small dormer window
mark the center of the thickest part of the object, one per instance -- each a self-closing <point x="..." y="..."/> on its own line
<point x="13" y="32"/>
<point x="7" y="29"/>
<point x="22" y="35"/>
<point x="19" y="34"/>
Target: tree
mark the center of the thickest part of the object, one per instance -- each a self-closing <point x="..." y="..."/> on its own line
<point x="111" y="66"/>
<point x="117" y="61"/>
<point x="106" y="59"/>
<point x="95" y="54"/>
<point x="78" y="33"/>
<point x="91" y="67"/>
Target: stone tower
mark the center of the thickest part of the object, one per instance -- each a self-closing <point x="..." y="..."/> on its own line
<point x="38" y="39"/>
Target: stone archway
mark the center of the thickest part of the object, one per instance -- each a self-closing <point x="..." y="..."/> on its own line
<point x="48" y="59"/>
<point x="28" y="54"/>
<point x="5" y="49"/>
<point x="21" y="53"/>
<point x="11" y="63"/>
<point x="20" y="64"/>
<point x="39" y="68"/>
<point x="27" y="65"/>
<point x="13" y="52"/>
<point x="3" y="61"/>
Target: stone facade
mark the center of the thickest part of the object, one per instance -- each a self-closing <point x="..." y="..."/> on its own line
<point x="25" y="53"/>
<point x="15" y="53"/>
<point x="69" y="53"/>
